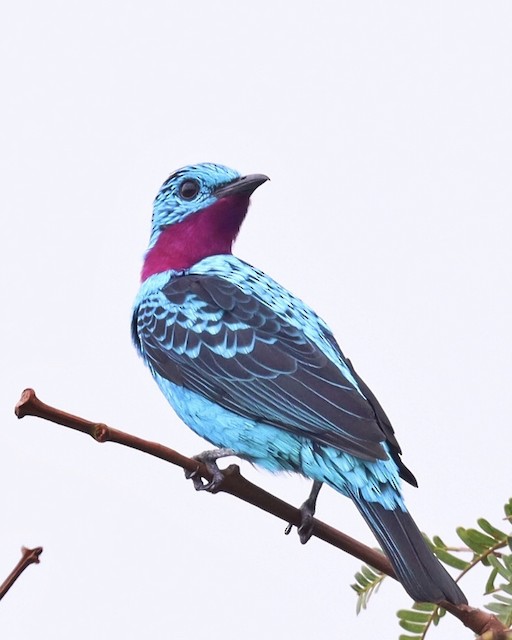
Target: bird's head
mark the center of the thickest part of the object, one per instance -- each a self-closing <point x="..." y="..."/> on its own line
<point x="197" y="213"/>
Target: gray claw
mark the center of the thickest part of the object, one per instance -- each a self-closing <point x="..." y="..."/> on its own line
<point x="305" y="529"/>
<point x="307" y="511"/>
<point x="209" y="459"/>
<point x="196" y="479"/>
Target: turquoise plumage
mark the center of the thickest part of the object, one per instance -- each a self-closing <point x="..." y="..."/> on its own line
<point x="253" y="370"/>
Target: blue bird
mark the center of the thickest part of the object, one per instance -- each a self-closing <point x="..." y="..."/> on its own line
<point x="253" y="370"/>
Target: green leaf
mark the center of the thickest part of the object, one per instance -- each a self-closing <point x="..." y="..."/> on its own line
<point x="437" y="615"/>
<point x="489" y="585"/>
<point x="484" y="560"/>
<point x="438" y="543"/>
<point x="508" y="508"/>
<point x="424" y="606"/>
<point x="361" y="582"/>
<point x="451" y="560"/>
<point x="507" y="561"/>
<point x="413" y="616"/>
<point x="419" y="618"/>
<point x="505" y="599"/>
<point x="502" y="605"/>
<point x="481" y="538"/>
<point x="503" y="571"/>
<point x="368" y="580"/>
<point x="475" y="540"/>
<point x="413" y="627"/>
<point x="499" y="536"/>
<point x="368" y="573"/>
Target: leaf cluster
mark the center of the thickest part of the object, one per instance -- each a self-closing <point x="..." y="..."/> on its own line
<point x="501" y="568"/>
<point x="488" y="547"/>
<point x="368" y="581"/>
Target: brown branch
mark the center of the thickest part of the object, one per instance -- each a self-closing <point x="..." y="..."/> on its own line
<point x="28" y="557"/>
<point x="235" y="484"/>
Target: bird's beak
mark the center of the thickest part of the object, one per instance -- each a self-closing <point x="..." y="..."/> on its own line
<point x="241" y="186"/>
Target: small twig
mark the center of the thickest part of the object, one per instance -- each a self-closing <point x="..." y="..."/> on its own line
<point x="235" y="484"/>
<point x="28" y="557"/>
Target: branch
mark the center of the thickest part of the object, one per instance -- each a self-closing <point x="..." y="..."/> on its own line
<point x="28" y="557"/>
<point x="235" y="484"/>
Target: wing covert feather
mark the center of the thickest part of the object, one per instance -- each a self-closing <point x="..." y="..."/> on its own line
<point x="204" y="333"/>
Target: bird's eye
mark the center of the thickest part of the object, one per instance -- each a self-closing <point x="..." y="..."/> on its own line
<point x="189" y="189"/>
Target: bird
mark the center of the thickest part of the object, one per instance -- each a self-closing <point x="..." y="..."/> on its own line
<point x="257" y="373"/>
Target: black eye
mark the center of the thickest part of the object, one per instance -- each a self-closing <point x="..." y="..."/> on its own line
<point x="189" y="189"/>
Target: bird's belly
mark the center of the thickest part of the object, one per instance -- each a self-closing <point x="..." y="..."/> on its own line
<point x="276" y="449"/>
<point x="262" y="444"/>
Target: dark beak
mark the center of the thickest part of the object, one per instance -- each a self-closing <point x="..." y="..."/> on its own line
<point x="241" y="186"/>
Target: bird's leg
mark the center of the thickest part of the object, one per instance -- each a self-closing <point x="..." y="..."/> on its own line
<point x="307" y="511"/>
<point x="209" y="459"/>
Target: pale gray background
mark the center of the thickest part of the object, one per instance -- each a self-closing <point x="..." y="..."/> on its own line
<point x="386" y="130"/>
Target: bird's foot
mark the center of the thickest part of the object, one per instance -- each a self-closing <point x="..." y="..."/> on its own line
<point x="305" y="528"/>
<point x="209" y="459"/>
<point x="307" y="512"/>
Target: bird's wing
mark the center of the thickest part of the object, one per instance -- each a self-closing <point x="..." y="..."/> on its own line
<point x="206" y="334"/>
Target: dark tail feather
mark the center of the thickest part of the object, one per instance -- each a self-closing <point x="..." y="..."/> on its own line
<point x="419" y="571"/>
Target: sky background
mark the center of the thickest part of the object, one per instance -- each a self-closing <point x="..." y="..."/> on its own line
<point x="386" y="129"/>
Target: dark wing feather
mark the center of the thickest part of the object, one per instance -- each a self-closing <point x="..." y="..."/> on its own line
<point x="209" y="336"/>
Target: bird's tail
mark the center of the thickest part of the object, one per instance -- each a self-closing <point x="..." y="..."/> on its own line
<point x="419" y="571"/>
